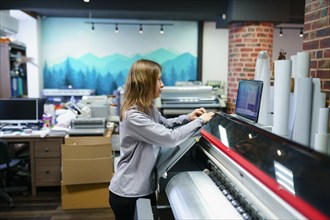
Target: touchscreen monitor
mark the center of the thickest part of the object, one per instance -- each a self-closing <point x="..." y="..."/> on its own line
<point x="248" y="99"/>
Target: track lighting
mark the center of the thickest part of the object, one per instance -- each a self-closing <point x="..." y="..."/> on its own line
<point x="116" y="25"/>
<point x="161" y="29"/>
<point x="116" y="29"/>
<point x="141" y="29"/>
<point x="301" y="32"/>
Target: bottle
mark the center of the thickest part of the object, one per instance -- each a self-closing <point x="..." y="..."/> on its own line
<point x="47" y="121"/>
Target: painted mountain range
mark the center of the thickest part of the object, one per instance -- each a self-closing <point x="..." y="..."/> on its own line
<point x="106" y="74"/>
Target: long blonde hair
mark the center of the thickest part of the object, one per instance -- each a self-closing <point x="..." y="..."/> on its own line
<point x="141" y="86"/>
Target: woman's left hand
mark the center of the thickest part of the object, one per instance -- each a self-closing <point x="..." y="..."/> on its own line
<point x="196" y="113"/>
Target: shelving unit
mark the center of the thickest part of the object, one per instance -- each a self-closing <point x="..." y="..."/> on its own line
<point x="13" y="74"/>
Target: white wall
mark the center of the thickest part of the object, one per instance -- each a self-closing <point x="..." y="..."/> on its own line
<point x="28" y="34"/>
<point x="290" y="42"/>
<point x="215" y="53"/>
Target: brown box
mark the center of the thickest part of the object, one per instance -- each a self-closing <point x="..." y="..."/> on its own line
<point x="84" y="164"/>
<point x="85" y="196"/>
<point x="88" y="140"/>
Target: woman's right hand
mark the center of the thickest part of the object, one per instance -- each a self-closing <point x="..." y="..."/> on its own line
<point x="206" y="117"/>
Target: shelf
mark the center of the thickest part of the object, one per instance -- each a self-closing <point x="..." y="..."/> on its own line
<point x="12" y="85"/>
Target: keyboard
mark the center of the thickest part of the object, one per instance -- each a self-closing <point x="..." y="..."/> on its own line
<point x="9" y="130"/>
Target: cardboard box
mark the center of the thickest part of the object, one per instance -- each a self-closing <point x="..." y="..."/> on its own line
<point x="88" y="140"/>
<point x="84" y="164"/>
<point x="85" y="196"/>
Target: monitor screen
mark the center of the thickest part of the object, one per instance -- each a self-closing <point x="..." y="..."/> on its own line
<point x="18" y="110"/>
<point x="248" y="99"/>
<point x="41" y="104"/>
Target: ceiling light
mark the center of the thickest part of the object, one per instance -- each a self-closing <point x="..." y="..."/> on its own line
<point x="116" y="25"/>
<point x="86" y="0"/>
<point x="281" y="32"/>
<point x="301" y="34"/>
<point x="224" y="16"/>
<point x="116" y="29"/>
<point x="141" y="29"/>
<point x="161" y="29"/>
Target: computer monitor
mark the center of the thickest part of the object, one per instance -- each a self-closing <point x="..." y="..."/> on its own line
<point x="248" y="99"/>
<point x="41" y="104"/>
<point x="19" y="111"/>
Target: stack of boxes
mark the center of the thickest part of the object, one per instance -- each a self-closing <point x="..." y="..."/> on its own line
<point x="86" y="172"/>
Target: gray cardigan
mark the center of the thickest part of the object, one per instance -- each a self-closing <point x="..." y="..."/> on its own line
<point x="140" y="139"/>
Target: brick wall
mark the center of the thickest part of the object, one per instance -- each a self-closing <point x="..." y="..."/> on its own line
<point x="317" y="41"/>
<point x="246" y="40"/>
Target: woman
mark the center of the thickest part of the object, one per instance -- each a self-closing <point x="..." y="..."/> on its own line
<point x="142" y="131"/>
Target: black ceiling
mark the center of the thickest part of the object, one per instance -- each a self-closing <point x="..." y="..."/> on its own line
<point x="292" y="11"/>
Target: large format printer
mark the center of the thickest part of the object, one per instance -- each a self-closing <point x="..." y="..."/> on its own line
<point x="177" y="100"/>
<point x="92" y="115"/>
<point x="231" y="169"/>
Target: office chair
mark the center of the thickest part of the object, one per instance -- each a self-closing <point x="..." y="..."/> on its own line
<point x="6" y="165"/>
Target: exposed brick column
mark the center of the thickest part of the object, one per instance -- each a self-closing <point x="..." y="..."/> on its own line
<point x="317" y="41"/>
<point x="246" y="40"/>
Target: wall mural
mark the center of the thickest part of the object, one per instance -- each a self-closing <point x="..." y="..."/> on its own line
<point x="77" y="56"/>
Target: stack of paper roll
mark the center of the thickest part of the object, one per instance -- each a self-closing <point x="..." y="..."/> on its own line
<point x="322" y="135"/>
<point x="308" y="99"/>
<point x="297" y="114"/>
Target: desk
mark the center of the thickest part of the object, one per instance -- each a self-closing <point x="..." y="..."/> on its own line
<point x="45" y="157"/>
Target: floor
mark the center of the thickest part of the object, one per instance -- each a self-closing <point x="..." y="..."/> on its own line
<point x="47" y="206"/>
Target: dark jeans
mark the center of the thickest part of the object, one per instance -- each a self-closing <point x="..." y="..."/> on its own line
<point x="124" y="207"/>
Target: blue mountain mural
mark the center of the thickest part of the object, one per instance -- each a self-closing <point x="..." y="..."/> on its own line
<point x="106" y="74"/>
<point x="160" y="56"/>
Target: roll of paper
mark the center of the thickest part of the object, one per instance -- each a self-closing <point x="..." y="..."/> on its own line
<point x="294" y="65"/>
<point x="321" y="143"/>
<point x="263" y="73"/>
<point x="292" y="111"/>
<point x="318" y="102"/>
<point x="302" y="64"/>
<point x="323" y="121"/>
<point x="282" y="69"/>
<point x="271" y="107"/>
<point x="302" y="119"/>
